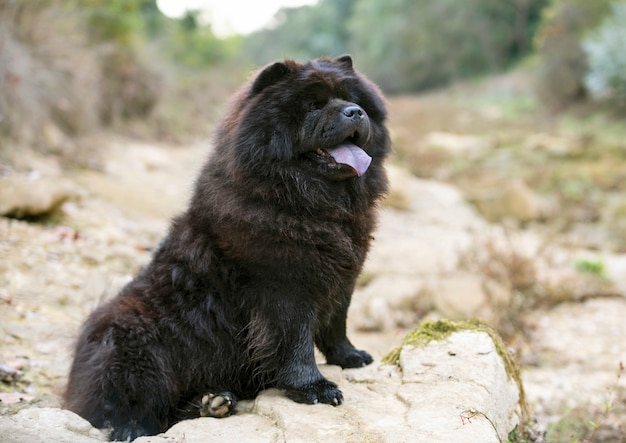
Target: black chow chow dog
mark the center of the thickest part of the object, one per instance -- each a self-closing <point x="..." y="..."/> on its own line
<point x="257" y="271"/>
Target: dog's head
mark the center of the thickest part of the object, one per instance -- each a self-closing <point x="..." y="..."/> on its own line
<point x="320" y="116"/>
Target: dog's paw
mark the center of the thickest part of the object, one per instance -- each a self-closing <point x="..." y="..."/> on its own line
<point x="322" y="391"/>
<point x="217" y="405"/>
<point x="350" y="358"/>
<point x="127" y="432"/>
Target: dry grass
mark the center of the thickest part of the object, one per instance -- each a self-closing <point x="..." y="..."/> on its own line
<point x="533" y="277"/>
<point x="587" y="424"/>
<point x="47" y="74"/>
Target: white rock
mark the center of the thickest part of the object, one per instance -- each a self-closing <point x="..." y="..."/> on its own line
<point x="452" y="390"/>
<point x="45" y="425"/>
<point x="22" y="196"/>
<point x="459" y="390"/>
<point x="244" y="428"/>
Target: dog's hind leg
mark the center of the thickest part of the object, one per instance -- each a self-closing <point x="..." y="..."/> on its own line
<point x="121" y="378"/>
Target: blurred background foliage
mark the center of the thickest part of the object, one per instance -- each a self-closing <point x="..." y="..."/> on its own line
<point x="82" y="65"/>
<point x="606" y="77"/>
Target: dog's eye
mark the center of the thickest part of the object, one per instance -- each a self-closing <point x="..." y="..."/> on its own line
<point x="314" y="105"/>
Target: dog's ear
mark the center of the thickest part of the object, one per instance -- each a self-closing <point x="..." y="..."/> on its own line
<point x="345" y="61"/>
<point x="270" y="75"/>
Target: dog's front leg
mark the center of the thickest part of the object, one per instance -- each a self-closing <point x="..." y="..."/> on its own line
<point x="282" y="346"/>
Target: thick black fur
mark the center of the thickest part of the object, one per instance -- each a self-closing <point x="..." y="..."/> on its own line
<point x="258" y="270"/>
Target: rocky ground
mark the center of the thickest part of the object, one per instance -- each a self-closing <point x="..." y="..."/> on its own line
<point x="435" y="256"/>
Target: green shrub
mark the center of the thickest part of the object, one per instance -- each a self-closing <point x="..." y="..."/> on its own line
<point x="593" y="267"/>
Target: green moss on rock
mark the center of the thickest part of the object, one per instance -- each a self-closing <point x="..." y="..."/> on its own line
<point x="428" y="331"/>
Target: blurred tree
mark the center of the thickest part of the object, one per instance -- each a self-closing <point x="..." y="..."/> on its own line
<point x="302" y="33"/>
<point x="153" y="19"/>
<point x="116" y="21"/>
<point x="606" y="77"/>
<point x="409" y="45"/>
<point x="405" y="45"/>
<point x="562" y="61"/>
<point x="189" y="22"/>
<point x="193" y="43"/>
<point x="121" y="22"/>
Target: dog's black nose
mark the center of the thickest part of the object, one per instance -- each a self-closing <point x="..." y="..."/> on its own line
<point x="354" y="112"/>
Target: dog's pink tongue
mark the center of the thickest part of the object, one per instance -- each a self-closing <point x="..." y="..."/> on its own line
<point x="353" y="156"/>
